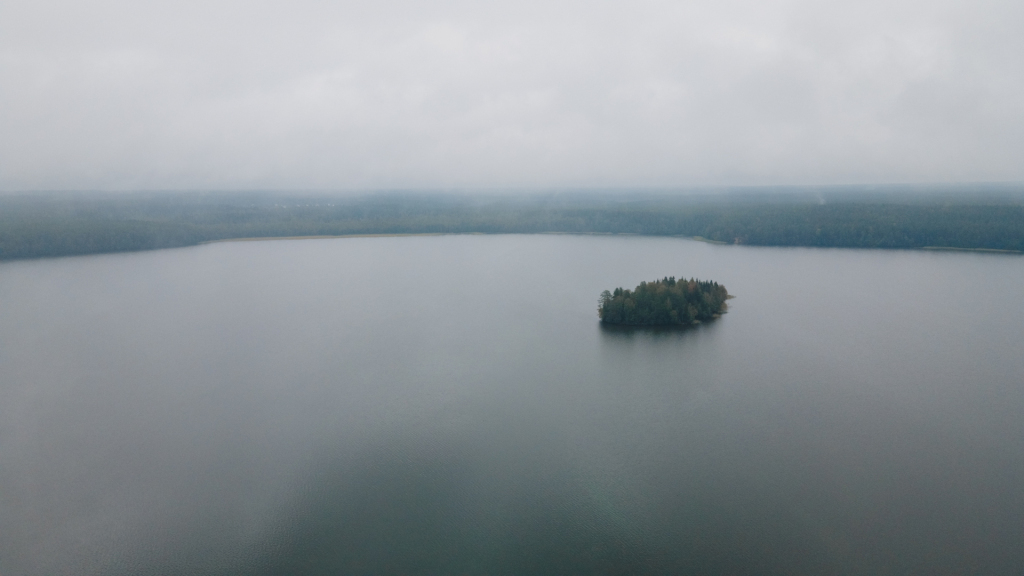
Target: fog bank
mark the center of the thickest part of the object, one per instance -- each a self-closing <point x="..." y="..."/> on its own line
<point x="113" y="95"/>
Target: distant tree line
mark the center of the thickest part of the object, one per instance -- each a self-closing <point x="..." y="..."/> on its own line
<point x="67" y="224"/>
<point x="664" y="302"/>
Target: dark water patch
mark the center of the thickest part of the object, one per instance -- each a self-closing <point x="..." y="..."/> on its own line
<point x="475" y="502"/>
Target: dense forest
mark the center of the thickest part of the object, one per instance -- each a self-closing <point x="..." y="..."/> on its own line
<point x="61" y="224"/>
<point x="665" y="302"/>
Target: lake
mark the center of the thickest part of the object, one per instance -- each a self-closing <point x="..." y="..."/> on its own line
<point x="451" y="405"/>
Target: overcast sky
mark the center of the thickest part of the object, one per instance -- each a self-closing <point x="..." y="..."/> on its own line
<point x="231" y="94"/>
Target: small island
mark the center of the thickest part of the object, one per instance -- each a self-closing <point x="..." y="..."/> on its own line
<point x="665" y="302"/>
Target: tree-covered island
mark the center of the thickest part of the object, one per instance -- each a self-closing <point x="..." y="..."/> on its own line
<point x="665" y="302"/>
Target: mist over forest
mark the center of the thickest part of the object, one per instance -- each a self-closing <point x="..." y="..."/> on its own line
<point x="61" y="224"/>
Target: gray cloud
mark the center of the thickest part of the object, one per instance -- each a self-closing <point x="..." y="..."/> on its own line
<point x="115" y="94"/>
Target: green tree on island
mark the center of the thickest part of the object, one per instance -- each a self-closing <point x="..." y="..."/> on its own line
<point x="663" y="302"/>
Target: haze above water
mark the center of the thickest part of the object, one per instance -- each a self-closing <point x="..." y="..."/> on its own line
<point x="444" y="405"/>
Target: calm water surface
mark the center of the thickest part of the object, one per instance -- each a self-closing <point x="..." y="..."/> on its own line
<point x="450" y="405"/>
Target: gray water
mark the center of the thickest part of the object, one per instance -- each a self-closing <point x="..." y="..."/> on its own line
<point x="450" y="405"/>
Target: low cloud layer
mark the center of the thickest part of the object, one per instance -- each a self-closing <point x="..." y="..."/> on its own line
<point x="116" y="94"/>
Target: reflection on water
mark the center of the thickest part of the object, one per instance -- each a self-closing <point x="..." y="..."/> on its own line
<point x="452" y="405"/>
<point x="450" y="507"/>
<point x="655" y="333"/>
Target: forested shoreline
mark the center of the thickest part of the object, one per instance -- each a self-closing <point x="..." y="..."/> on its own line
<point x="63" y="224"/>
